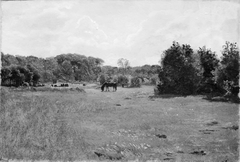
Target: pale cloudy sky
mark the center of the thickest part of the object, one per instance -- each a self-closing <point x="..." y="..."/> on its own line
<point x="138" y="30"/>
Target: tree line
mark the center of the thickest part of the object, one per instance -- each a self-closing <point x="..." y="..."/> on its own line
<point x="31" y="69"/>
<point x="68" y="68"/>
<point x="181" y="71"/>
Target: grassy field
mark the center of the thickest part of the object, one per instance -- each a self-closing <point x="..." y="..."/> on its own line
<point x="69" y="124"/>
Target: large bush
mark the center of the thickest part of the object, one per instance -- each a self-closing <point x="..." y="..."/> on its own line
<point x="178" y="75"/>
<point x="15" y="75"/>
<point x="208" y="64"/>
<point x="123" y="80"/>
<point x="102" y="79"/>
<point x="154" y="80"/>
<point x="135" y="82"/>
<point x="228" y="72"/>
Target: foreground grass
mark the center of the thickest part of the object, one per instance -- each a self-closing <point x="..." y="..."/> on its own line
<point x="122" y="125"/>
<point x="35" y="127"/>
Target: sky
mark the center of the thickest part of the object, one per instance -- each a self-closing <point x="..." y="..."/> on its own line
<point x="137" y="30"/>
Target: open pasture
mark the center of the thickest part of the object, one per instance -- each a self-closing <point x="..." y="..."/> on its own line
<point x="122" y="125"/>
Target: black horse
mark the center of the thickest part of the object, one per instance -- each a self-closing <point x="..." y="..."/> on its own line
<point x="109" y="84"/>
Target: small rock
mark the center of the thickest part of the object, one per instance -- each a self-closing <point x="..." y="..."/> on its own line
<point x="234" y="127"/>
<point x="167" y="158"/>
<point x="206" y="131"/>
<point x="118" y="105"/>
<point x="110" y="155"/>
<point x="198" y="152"/>
<point x="99" y="154"/>
<point x="180" y="152"/>
<point x="34" y="89"/>
<point x="168" y="153"/>
<point x="161" y="136"/>
<point x="212" y="123"/>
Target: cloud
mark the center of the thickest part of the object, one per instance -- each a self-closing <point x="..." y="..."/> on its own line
<point x="137" y="30"/>
<point x="230" y="29"/>
<point x="89" y="29"/>
<point x="51" y="20"/>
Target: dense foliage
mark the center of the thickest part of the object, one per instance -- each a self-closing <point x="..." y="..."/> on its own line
<point x="228" y="73"/>
<point x="182" y="71"/>
<point x="123" y="80"/>
<point x="16" y="75"/>
<point x="178" y="74"/>
<point x="185" y="72"/>
<point x="67" y="67"/>
<point x="209" y="63"/>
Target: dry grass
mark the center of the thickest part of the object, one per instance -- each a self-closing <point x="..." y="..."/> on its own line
<point x="122" y="125"/>
<point x="36" y="128"/>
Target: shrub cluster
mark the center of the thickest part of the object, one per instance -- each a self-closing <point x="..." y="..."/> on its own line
<point x="185" y="72"/>
<point x="122" y="80"/>
<point x="16" y="75"/>
<point x="135" y="82"/>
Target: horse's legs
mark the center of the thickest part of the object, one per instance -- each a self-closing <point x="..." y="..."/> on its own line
<point x="102" y="88"/>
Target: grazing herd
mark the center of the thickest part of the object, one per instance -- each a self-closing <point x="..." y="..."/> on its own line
<point x="105" y="85"/>
<point x="61" y="85"/>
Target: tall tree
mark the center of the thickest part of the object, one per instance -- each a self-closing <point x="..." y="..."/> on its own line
<point x="178" y="73"/>
<point x="16" y="77"/>
<point x="229" y="68"/>
<point x="66" y="69"/>
<point x="123" y="64"/>
<point x="35" y="74"/>
<point x="5" y="75"/>
<point x="209" y="64"/>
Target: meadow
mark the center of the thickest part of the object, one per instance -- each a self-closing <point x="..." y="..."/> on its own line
<point x="86" y="124"/>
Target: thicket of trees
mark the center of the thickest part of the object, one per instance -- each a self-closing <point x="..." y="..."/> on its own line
<point x="16" y="75"/>
<point x="125" y="75"/>
<point x="185" y="72"/>
<point x="67" y="67"/>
